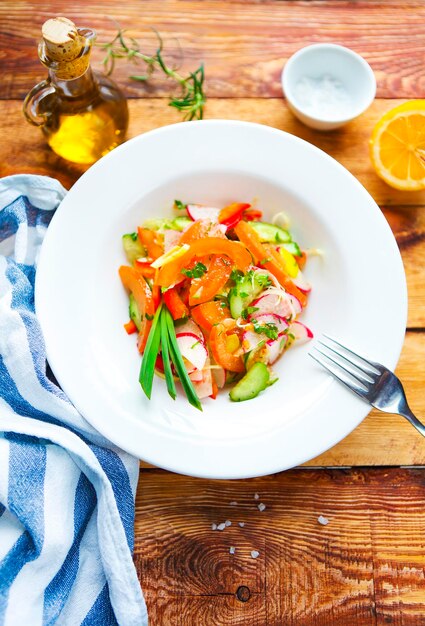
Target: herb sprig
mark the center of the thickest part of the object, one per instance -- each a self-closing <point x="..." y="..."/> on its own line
<point x="198" y="271"/>
<point x="162" y="336"/>
<point x="190" y="101"/>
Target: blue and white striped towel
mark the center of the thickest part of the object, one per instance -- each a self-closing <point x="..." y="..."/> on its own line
<point x="66" y="493"/>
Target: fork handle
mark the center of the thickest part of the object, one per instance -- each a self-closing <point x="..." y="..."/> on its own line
<point x="407" y="413"/>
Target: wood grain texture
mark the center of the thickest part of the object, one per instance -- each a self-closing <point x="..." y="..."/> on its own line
<point x="24" y="148"/>
<point x="383" y="439"/>
<point x="244" y="45"/>
<point x="365" y="568"/>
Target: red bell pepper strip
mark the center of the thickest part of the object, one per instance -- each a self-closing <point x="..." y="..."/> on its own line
<point x="130" y="327"/>
<point x="252" y="215"/>
<point x="175" y="304"/>
<point x="232" y="214"/>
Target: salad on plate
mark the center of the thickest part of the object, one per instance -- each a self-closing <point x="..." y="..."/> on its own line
<point x="215" y="296"/>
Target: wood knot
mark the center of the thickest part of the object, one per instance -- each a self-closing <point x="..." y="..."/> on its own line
<point x="243" y="594"/>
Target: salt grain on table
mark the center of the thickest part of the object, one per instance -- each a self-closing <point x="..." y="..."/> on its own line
<point x="221" y="526"/>
<point x="261" y="506"/>
<point x="232" y="550"/>
<point x="241" y="524"/>
<point x="228" y="522"/>
<point x="323" y="520"/>
<point x="213" y="526"/>
<point x="256" y="496"/>
<point x="233" y="503"/>
<point x="255" y="554"/>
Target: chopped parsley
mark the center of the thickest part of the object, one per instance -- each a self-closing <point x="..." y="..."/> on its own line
<point x="195" y="344"/>
<point x="262" y="280"/>
<point x="178" y="204"/>
<point x="149" y="317"/>
<point x="248" y="311"/>
<point x="133" y="236"/>
<point x="269" y="329"/>
<point x="264" y="261"/>
<point x="237" y="276"/>
<point x="198" y="271"/>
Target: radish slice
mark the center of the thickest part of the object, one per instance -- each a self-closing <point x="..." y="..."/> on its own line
<point x="219" y="375"/>
<point x="199" y="212"/>
<point x="204" y="388"/>
<point x="274" y="348"/>
<point x="281" y="303"/>
<point x="295" y="303"/>
<point x="190" y="327"/>
<point x="300" y="331"/>
<point x="250" y="340"/>
<point x="302" y="284"/>
<point x="271" y="318"/>
<point x="171" y="239"/>
<point x="192" y="349"/>
<point x="196" y="376"/>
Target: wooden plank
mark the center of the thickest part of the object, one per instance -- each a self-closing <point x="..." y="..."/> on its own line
<point x="365" y="568"/>
<point x="244" y="45"/>
<point x="383" y="439"/>
<point x="24" y="149"/>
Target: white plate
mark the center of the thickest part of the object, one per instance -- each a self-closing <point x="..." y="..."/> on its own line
<point x="359" y="295"/>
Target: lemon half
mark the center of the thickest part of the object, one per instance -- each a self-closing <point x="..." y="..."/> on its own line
<point x="397" y="146"/>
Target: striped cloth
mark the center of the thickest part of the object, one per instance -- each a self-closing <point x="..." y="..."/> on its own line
<point x="66" y="493"/>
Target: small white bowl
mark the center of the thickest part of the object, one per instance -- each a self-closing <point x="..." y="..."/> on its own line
<point x="327" y="85"/>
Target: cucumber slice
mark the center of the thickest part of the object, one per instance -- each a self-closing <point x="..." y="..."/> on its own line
<point x="181" y="222"/>
<point x="134" y="313"/>
<point x="271" y="233"/>
<point x="243" y="293"/>
<point x="293" y="248"/>
<point x="254" y="381"/>
<point x="258" y="355"/>
<point x="157" y="224"/>
<point x="132" y="247"/>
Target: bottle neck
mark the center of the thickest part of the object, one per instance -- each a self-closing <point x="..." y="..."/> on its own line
<point x="75" y="87"/>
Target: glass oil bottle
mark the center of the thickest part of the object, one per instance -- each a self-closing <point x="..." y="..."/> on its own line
<point x="82" y="113"/>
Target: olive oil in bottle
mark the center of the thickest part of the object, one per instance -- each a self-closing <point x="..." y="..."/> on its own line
<point x="82" y="113"/>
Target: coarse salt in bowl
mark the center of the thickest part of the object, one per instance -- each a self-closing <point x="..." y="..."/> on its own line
<point x="327" y="85"/>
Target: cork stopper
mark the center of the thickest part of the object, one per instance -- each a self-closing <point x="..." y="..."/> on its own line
<point x="64" y="48"/>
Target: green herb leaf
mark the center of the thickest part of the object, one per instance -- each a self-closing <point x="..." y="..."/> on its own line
<point x="262" y="280"/>
<point x="269" y="329"/>
<point x="237" y="276"/>
<point x="178" y="204"/>
<point x="147" y="369"/>
<point x="248" y="311"/>
<point x="264" y="261"/>
<point x="198" y="271"/>
<point x="190" y="101"/>
<point x="169" y="378"/>
<point x="178" y="363"/>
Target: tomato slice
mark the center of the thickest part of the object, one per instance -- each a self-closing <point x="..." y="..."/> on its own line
<point x="170" y="273"/>
<point x="150" y="239"/>
<point x="209" y="313"/>
<point x="134" y="282"/>
<point x="207" y="286"/>
<point x="218" y="344"/>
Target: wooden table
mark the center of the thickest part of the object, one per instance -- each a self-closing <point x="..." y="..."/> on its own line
<point x="366" y="567"/>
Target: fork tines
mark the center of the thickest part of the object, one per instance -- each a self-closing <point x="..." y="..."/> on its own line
<point x="354" y="371"/>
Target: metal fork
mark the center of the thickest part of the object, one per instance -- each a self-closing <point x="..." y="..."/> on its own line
<point x="373" y="382"/>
